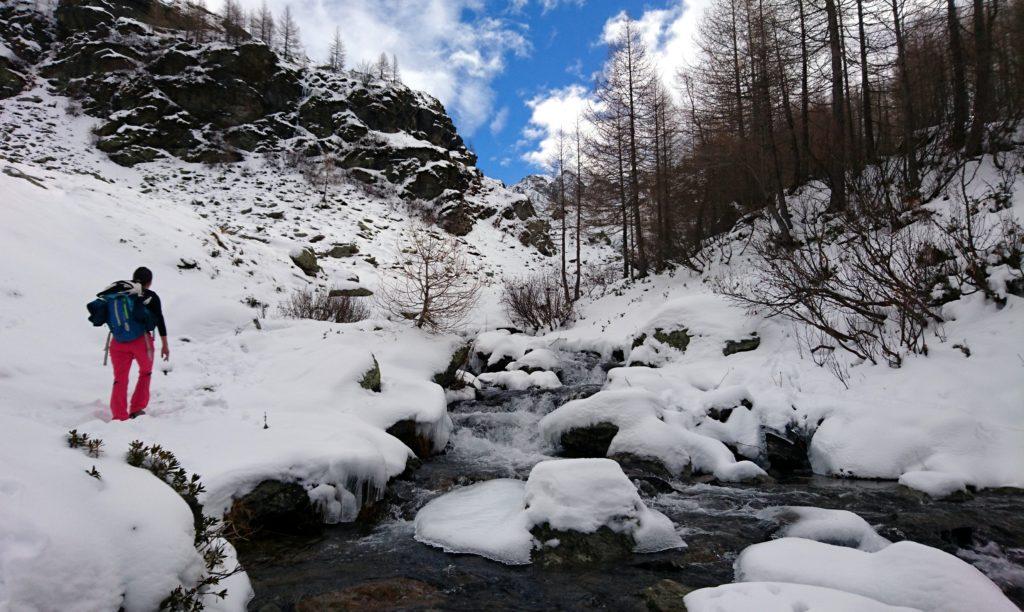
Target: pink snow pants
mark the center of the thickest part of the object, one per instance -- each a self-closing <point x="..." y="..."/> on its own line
<point x="121" y="356"/>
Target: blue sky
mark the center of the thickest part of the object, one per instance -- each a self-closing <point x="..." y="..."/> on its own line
<point x="565" y="50"/>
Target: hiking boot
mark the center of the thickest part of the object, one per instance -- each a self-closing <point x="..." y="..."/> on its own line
<point x="136" y="414"/>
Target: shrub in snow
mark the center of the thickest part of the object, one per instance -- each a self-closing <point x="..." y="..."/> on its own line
<point x="901" y="574"/>
<point x="434" y="284"/>
<point x="537" y="302"/>
<point x="321" y="306"/>
<point x="209" y="541"/>
<point x="569" y="507"/>
<point x="93" y="446"/>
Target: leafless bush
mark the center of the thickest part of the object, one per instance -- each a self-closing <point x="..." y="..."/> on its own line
<point x="434" y="285"/>
<point x="73" y="107"/>
<point x="871" y="282"/>
<point x="599" y="278"/>
<point x="320" y="306"/>
<point x="863" y="287"/>
<point x="537" y="302"/>
<point x="977" y="235"/>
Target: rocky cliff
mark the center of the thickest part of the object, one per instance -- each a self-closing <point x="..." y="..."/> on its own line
<point x="164" y="86"/>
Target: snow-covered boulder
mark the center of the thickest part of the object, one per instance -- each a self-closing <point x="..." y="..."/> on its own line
<point x="569" y="510"/>
<point x="518" y="380"/>
<point x="537" y="359"/>
<point x="902" y="574"/>
<point x="700" y="325"/>
<point x="646" y="429"/>
<point x="781" y="597"/>
<point x="939" y="485"/>
<point x="838" y="527"/>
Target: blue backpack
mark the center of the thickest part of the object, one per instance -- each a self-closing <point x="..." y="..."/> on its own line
<point x="123" y="310"/>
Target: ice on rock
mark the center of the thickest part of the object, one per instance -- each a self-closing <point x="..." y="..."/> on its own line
<point x="839" y="527"/>
<point x="901" y="574"/>
<point x="493" y="519"/>
<point x="781" y="597"/>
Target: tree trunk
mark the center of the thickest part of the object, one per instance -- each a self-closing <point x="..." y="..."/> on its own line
<point x="865" y="88"/>
<point x="982" y="79"/>
<point x="837" y="156"/>
<point x="736" y="73"/>
<point x="634" y="169"/>
<point x="805" y="100"/>
<point x="912" y="180"/>
<point x="579" y="208"/>
<point x="956" y="51"/>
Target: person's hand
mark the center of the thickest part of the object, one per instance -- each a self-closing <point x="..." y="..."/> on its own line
<point x="165" y="351"/>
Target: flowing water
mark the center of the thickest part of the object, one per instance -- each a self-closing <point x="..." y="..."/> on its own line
<point x="496" y="436"/>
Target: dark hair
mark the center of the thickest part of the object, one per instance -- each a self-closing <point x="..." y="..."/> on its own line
<point x="142" y="275"/>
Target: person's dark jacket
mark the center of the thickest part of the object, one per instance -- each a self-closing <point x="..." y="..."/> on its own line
<point x="152" y="302"/>
<point x="148" y="297"/>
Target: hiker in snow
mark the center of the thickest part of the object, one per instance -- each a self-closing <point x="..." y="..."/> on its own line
<point x="131" y="310"/>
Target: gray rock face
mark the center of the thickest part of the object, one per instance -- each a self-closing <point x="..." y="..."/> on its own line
<point x="449" y="378"/>
<point x="591" y="441"/>
<point x="406" y="431"/>
<point x="742" y="345"/>
<point x="371" y="379"/>
<point x="275" y="507"/>
<point x="666" y="596"/>
<point x="339" y="251"/>
<point x="306" y="261"/>
<point x="786" y="454"/>
<point x="357" y="292"/>
<point x="159" y="92"/>
<point x="577" y="548"/>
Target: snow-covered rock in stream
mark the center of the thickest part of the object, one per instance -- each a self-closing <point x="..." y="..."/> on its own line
<point x="838" y="527"/>
<point x="518" y="380"/>
<point x="935" y="484"/>
<point x="648" y="429"/>
<point x="577" y="499"/>
<point x="781" y="597"/>
<point x="902" y="574"/>
<point x="537" y="359"/>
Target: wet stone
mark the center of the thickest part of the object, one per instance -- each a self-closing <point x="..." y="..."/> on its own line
<point x="666" y="596"/>
<point x="592" y="441"/>
<point x="388" y="594"/>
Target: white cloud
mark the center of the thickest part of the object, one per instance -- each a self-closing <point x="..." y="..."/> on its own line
<point x="552" y="111"/>
<point x="498" y="123"/>
<point x="546" y="5"/>
<point x="670" y="35"/>
<point x="448" y="48"/>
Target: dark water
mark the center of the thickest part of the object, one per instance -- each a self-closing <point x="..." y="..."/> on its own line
<point x="383" y="567"/>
